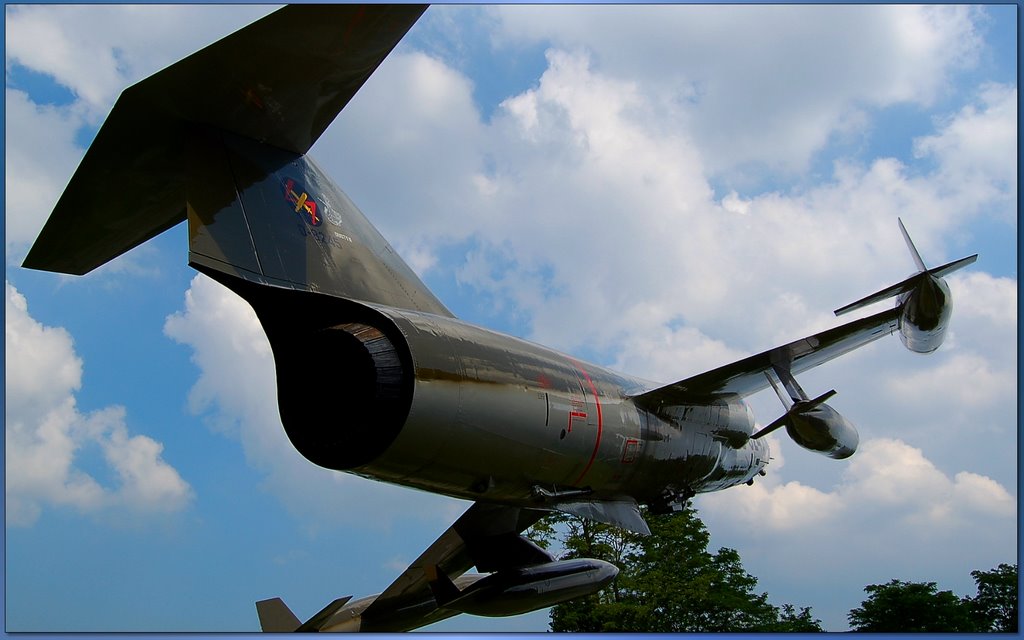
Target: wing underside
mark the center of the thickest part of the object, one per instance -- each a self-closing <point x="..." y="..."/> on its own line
<point x="486" y="536"/>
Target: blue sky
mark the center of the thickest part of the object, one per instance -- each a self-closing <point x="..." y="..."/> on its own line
<point x="658" y="189"/>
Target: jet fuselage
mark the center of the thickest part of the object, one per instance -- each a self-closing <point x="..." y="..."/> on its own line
<point x="416" y="397"/>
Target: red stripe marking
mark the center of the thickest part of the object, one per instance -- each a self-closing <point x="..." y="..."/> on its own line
<point x="597" y="442"/>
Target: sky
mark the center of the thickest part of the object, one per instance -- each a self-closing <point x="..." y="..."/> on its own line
<point x="658" y="189"/>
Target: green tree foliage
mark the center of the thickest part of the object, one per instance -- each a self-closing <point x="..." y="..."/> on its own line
<point x="995" y="606"/>
<point x="668" y="581"/>
<point x="790" y="620"/>
<point x="898" y="606"/>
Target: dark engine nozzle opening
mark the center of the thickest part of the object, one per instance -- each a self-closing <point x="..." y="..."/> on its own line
<point x="344" y="393"/>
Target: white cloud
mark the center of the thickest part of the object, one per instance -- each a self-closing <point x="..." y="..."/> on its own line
<point x="767" y="85"/>
<point x="39" y="155"/>
<point x="886" y="480"/>
<point x="977" y="151"/>
<point x="413" y="124"/>
<point x="963" y="382"/>
<point x="236" y="394"/>
<point x="45" y="433"/>
<point x="983" y="298"/>
<point x="966" y="385"/>
<point x="893" y="514"/>
<point x="666" y="354"/>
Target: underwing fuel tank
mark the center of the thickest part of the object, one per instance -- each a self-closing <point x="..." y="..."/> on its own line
<point x="514" y="591"/>
<point x="823" y="430"/>
<point x="811" y="423"/>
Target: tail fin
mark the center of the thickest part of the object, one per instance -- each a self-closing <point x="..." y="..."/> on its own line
<point x="272" y="217"/>
<point x="281" y="80"/>
<point x="276" y="617"/>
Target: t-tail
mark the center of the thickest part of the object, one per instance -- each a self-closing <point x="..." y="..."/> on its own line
<point x="220" y="138"/>
<point x="923" y="299"/>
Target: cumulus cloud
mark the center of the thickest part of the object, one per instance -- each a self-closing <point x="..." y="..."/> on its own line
<point x="892" y="514"/>
<point x="976" y="149"/>
<point x="236" y="394"/>
<point x="886" y="481"/>
<point x="412" y="111"/>
<point x="765" y="85"/>
<point x="965" y="385"/>
<point x="39" y="157"/>
<point x="46" y="434"/>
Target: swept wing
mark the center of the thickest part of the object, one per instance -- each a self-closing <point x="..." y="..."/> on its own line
<point x="747" y="376"/>
<point x="486" y="536"/>
<point x="921" y="317"/>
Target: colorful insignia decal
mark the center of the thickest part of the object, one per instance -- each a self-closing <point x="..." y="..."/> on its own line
<point x="332" y="216"/>
<point x="304" y="205"/>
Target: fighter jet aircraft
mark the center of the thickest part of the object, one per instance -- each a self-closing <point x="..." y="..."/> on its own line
<point x="423" y="399"/>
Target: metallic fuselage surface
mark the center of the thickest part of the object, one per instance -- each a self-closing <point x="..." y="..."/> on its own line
<point x="493" y="417"/>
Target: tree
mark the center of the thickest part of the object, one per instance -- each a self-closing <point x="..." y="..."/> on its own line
<point x="791" y="621"/>
<point x="899" y="606"/>
<point x="668" y="581"/>
<point x="995" y="606"/>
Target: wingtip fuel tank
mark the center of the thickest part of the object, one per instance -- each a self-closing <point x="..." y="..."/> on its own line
<point x="923" y="299"/>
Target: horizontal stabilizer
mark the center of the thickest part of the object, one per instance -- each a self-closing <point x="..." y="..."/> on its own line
<point x="280" y="81"/>
<point x="276" y="617"/>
